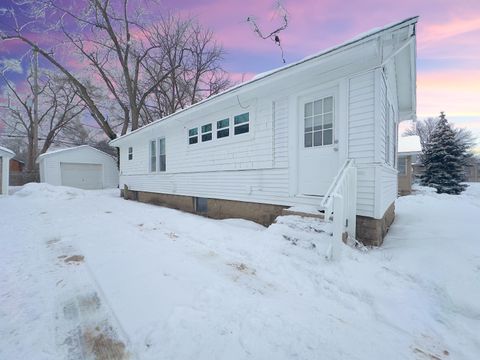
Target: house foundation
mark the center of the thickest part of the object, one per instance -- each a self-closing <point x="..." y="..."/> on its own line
<point x="372" y="231"/>
<point x="264" y="214"/>
<point x="369" y="231"/>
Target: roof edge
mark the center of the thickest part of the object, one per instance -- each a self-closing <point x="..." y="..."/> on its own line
<point x="356" y="39"/>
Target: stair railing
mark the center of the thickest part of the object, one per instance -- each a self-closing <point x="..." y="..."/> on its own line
<point x="340" y="205"/>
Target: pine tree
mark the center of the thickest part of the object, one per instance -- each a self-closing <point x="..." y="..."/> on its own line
<point x="444" y="157"/>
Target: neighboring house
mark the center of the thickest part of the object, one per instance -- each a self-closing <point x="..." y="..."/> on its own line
<point x="287" y="138"/>
<point x="16" y="165"/>
<point x="409" y="147"/>
<point x="82" y="167"/>
<point x="472" y="172"/>
<point x="17" y="177"/>
<point x="5" y="156"/>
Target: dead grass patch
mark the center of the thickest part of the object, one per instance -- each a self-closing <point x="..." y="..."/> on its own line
<point x="75" y="259"/>
<point x="104" y="346"/>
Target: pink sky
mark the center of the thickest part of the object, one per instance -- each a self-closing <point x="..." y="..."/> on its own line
<point x="448" y="39"/>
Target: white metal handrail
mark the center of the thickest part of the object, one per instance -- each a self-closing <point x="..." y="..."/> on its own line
<point x="340" y="206"/>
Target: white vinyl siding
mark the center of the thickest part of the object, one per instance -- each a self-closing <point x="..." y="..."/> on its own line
<point x="361" y="137"/>
<point x="261" y="165"/>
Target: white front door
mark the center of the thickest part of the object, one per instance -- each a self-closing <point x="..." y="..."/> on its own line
<point x="318" y="154"/>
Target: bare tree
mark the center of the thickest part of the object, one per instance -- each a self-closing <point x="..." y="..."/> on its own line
<point x="425" y="128"/>
<point x="199" y="75"/>
<point x="123" y="48"/>
<point x="60" y="105"/>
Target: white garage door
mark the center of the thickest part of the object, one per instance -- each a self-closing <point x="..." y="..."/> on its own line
<point x="83" y="176"/>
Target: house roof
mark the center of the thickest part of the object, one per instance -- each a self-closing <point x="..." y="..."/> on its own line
<point x="409" y="145"/>
<point x="7" y="151"/>
<point x="263" y="76"/>
<point x="62" y="150"/>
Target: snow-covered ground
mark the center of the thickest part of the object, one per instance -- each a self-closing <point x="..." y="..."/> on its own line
<point x="149" y="282"/>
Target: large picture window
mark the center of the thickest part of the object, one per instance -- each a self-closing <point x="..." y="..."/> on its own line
<point x="318" y="122"/>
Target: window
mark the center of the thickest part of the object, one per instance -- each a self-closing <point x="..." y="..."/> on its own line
<point x="153" y="156"/>
<point x="130" y="153"/>
<point x="402" y="166"/>
<point x="158" y="155"/>
<point x="223" y="128"/>
<point x="318" y="122"/>
<point x="193" y="136"/>
<point x="241" y="124"/>
<point x="162" y="155"/>
<point x="206" y="132"/>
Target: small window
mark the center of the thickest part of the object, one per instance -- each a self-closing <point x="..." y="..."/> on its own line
<point x="193" y="136"/>
<point x="162" y="155"/>
<point x="153" y="156"/>
<point x="206" y="132"/>
<point x="223" y="128"/>
<point x="241" y="124"/>
<point x="318" y="119"/>
<point x="130" y="153"/>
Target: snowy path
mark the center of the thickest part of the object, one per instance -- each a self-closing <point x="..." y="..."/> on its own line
<point x="155" y="283"/>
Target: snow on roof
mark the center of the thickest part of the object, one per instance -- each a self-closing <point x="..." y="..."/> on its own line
<point x="8" y="151"/>
<point x="409" y="144"/>
<point x="267" y="74"/>
<point x="53" y="152"/>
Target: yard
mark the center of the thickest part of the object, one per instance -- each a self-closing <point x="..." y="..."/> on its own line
<point x="86" y="274"/>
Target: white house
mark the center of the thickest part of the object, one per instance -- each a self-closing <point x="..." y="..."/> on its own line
<point x="5" y="156"/>
<point x="83" y="167"/>
<point x="288" y="137"/>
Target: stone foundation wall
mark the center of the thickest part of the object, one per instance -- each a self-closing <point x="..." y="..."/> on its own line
<point x="264" y="214"/>
<point x="371" y="231"/>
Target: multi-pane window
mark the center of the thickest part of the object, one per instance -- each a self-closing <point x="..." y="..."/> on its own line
<point x="153" y="155"/>
<point x="241" y="124"/>
<point x="207" y="132"/>
<point x="130" y="153"/>
<point x="193" y="136"/>
<point x="162" y="155"/>
<point x="223" y="128"/>
<point x="318" y="122"/>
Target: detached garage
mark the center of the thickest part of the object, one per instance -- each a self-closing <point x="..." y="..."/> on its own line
<point x="82" y="167"/>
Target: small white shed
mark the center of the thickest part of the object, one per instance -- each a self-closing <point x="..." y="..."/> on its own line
<point x="5" y="156"/>
<point x="82" y="167"/>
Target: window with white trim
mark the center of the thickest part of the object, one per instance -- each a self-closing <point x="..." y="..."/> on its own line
<point x="162" y="155"/>
<point x="153" y="155"/>
<point x="241" y="124"/>
<point x="318" y="122"/>
<point x="207" y="132"/>
<point x="193" y="136"/>
<point x="223" y="128"/>
<point x="158" y="155"/>
<point x="130" y="153"/>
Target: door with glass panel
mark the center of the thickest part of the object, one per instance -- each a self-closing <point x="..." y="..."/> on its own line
<point x="318" y="151"/>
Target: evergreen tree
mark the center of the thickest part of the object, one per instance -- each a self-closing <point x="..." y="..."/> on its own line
<point x="444" y="157"/>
